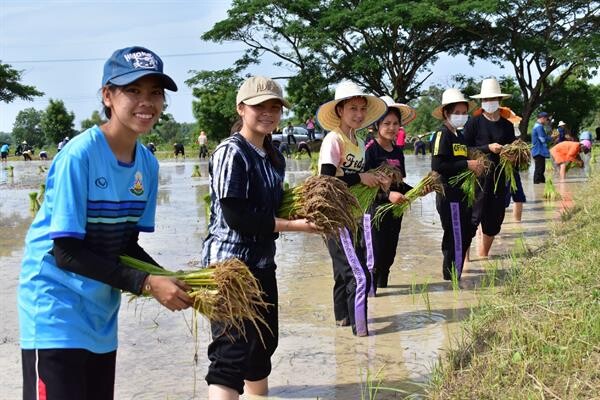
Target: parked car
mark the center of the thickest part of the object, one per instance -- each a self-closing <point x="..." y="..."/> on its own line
<point x="300" y="133"/>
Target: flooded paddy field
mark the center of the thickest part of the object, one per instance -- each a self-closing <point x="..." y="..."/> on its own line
<point x="411" y="322"/>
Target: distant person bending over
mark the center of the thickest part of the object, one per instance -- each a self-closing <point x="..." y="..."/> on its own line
<point x="179" y="149"/>
<point x="43" y="155"/>
<point x="566" y="152"/>
<point x="303" y="146"/>
<point x="4" y="152"/>
<point x="419" y="146"/>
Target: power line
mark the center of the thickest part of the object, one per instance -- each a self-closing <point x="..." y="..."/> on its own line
<point x="206" y="53"/>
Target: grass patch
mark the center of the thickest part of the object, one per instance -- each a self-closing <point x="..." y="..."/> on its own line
<point x="539" y="335"/>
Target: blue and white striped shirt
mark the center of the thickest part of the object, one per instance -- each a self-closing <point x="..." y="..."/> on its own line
<point x="239" y="170"/>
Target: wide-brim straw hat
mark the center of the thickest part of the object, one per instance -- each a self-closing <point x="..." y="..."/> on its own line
<point x="490" y="88"/>
<point x="407" y="113"/>
<point x="328" y="118"/>
<point x="451" y="96"/>
<point x="561" y="123"/>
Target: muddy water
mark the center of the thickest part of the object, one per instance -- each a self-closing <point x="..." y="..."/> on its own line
<point x="411" y="322"/>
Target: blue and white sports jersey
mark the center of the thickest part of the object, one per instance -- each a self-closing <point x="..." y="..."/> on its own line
<point x="92" y="196"/>
<point x="239" y="170"/>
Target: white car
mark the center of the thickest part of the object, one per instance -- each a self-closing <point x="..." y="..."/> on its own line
<point x="300" y="133"/>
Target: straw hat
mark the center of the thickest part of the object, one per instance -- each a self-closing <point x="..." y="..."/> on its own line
<point x="407" y="113"/>
<point x="451" y="96"/>
<point x="561" y="123"/>
<point x="490" y="88"/>
<point x="327" y="117"/>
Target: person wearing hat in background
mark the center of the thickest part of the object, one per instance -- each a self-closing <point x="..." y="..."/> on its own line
<point x="101" y="193"/>
<point x="246" y="188"/>
<point x="342" y="155"/>
<point x="26" y="151"/>
<point x="568" y="151"/>
<point x="449" y="159"/>
<point x="488" y="132"/>
<point x="562" y="131"/>
<point x="539" y="151"/>
<point x="384" y="150"/>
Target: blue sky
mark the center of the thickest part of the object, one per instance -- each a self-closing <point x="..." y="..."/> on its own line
<point x="48" y="40"/>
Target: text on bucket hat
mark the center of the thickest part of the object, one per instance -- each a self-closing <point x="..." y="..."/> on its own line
<point x="132" y="63"/>
<point x="490" y="88"/>
<point x="258" y="89"/>
<point x="407" y="113"/>
<point x="451" y="96"/>
<point x="328" y="118"/>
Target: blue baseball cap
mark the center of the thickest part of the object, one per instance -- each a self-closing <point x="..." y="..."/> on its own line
<point x="543" y="114"/>
<point x="132" y="63"/>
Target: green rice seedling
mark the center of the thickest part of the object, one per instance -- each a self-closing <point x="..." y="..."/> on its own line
<point x="413" y="288"/>
<point x="314" y="166"/>
<point x="41" y="193"/>
<point x="224" y="292"/>
<point x="431" y="182"/>
<point x="454" y="279"/>
<point x="41" y="169"/>
<point x="365" y="194"/>
<point x="207" y="202"/>
<point x="10" y="171"/>
<point x="514" y="157"/>
<point x="550" y="192"/>
<point x="34" y="206"/>
<point x="196" y="172"/>
<point x="467" y="179"/>
<point x="425" y="295"/>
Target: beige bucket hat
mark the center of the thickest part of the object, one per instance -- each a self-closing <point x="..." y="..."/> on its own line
<point x="451" y="96"/>
<point x="258" y="89"/>
<point x="327" y="117"/>
<point x="408" y="114"/>
<point x="490" y="88"/>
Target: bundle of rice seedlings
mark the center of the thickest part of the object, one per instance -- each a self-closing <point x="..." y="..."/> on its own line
<point x="225" y="292"/>
<point x="34" y="205"/>
<point x="550" y="192"/>
<point x="196" y="172"/>
<point x="467" y="179"/>
<point x="41" y="193"/>
<point x="433" y="181"/>
<point x="314" y="166"/>
<point x="11" y="173"/>
<point x="41" y="169"/>
<point x="514" y="157"/>
<point x="323" y="200"/>
<point x="366" y="195"/>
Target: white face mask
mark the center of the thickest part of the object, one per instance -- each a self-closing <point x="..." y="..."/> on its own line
<point x="490" y="106"/>
<point x="458" y="120"/>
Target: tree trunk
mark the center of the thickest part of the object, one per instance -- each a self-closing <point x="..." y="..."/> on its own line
<point x="524" y="124"/>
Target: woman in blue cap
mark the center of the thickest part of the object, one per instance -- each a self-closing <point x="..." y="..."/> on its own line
<point x="100" y="193"/>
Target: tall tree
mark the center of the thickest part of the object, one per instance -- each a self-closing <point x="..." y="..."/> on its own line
<point x="574" y="103"/>
<point x="11" y="88"/>
<point x="57" y="122"/>
<point x="94" y="119"/>
<point x="384" y="45"/>
<point x="546" y="42"/>
<point x="27" y="127"/>
<point x="215" y="92"/>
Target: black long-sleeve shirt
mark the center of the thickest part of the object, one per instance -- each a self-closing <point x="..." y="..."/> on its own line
<point x="480" y="132"/>
<point x="449" y="158"/>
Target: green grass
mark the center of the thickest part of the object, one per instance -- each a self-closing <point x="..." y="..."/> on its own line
<point x="538" y="335"/>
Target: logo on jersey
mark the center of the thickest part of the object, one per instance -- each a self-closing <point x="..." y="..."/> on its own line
<point x="101" y="182"/>
<point x="459" y="149"/>
<point x="138" y="187"/>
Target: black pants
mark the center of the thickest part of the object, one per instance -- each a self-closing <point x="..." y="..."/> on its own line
<point x="235" y="358"/>
<point x="385" y="242"/>
<point x="291" y="137"/>
<point x="489" y="205"/>
<point x="351" y="285"/>
<point x="203" y="151"/>
<point x="539" y="167"/>
<point x="68" y="374"/>
<point x="455" y="217"/>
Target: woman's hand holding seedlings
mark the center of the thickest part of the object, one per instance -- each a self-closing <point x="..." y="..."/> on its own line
<point x="168" y="291"/>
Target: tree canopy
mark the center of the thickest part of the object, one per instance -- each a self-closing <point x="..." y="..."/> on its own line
<point x="27" y="127"/>
<point x="57" y="122"/>
<point x="11" y="88"/>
